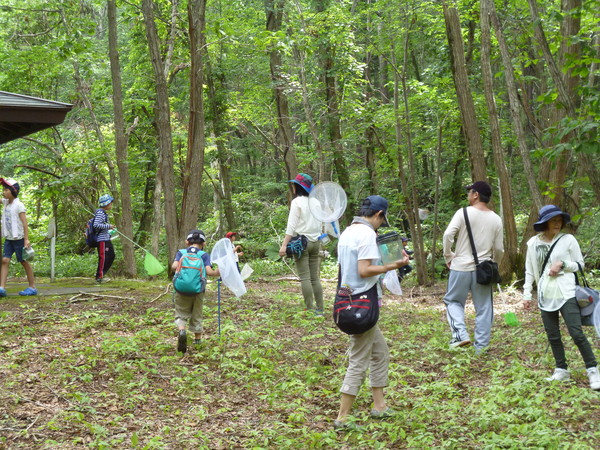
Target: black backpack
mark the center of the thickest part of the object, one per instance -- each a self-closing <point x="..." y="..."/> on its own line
<point x="355" y="313"/>
<point x="91" y="237"/>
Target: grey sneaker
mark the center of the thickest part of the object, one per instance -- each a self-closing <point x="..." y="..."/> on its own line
<point x="385" y="414"/>
<point x="559" y="375"/>
<point x="594" y="377"/>
<point x="456" y="343"/>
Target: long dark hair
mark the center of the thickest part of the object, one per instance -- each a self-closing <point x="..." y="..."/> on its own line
<point x="299" y="191"/>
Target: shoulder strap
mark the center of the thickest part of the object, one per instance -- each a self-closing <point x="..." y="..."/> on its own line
<point x="548" y="255"/>
<point x="585" y="283"/>
<point x="471" y="240"/>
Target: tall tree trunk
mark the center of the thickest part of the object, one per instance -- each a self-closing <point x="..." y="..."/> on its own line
<point x="508" y="216"/>
<point x="125" y="221"/>
<point x="194" y="164"/>
<point x="515" y="108"/>
<point x="565" y="83"/>
<point x="413" y="204"/>
<point x="463" y="94"/>
<point x="163" y="126"/>
<point x="216" y="85"/>
<point x="285" y="135"/>
<point x="333" y="121"/>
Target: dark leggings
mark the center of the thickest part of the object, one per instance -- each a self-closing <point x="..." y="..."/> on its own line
<point x="106" y="256"/>
<point x="572" y="317"/>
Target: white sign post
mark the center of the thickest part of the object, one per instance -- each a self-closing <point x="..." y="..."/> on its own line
<point x="52" y="236"/>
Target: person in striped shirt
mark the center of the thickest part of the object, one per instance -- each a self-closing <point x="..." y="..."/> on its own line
<point x="106" y="252"/>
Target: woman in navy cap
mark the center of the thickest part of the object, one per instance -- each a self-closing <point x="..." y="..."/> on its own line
<point x="308" y="263"/>
<point x="555" y="280"/>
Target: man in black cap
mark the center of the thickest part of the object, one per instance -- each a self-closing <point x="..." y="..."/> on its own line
<point x="486" y="227"/>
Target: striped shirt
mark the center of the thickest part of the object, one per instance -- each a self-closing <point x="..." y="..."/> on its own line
<point x="101" y="225"/>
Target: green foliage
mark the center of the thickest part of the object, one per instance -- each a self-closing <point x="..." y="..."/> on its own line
<point x="271" y="379"/>
<point x="62" y="53"/>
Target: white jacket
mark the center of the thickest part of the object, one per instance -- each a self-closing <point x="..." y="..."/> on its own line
<point x="566" y="250"/>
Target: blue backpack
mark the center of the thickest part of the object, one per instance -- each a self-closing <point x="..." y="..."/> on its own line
<point x="91" y="237"/>
<point x="190" y="276"/>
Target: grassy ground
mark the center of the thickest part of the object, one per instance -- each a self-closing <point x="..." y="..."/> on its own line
<point x="102" y="372"/>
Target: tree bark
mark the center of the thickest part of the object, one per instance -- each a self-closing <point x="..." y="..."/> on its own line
<point x="163" y="126"/>
<point x="125" y="220"/>
<point x="507" y="211"/>
<point x="413" y="204"/>
<point x="285" y="134"/>
<point x="515" y="107"/>
<point x="216" y="85"/>
<point x="463" y="93"/>
<point x="194" y="163"/>
<point x="565" y="83"/>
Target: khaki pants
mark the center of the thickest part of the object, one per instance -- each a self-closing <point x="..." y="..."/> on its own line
<point x="309" y="272"/>
<point x="189" y="308"/>
<point x="367" y="351"/>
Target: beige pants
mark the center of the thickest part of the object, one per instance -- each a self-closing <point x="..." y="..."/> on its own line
<point x="189" y="308"/>
<point x="367" y="351"/>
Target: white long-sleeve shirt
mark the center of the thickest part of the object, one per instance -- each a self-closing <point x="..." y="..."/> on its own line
<point x="487" y="234"/>
<point x="301" y="221"/>
<point x="566" y="250"/>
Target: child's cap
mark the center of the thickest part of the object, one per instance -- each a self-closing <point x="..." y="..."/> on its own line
<point x="230" y="234"/>
<point x="105" y="200"/>
<point x="12" y="185"/>
<point x="196" y="235"/>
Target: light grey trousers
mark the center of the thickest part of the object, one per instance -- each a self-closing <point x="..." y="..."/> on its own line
<point x="459" y="285"/>
<point x="367" y="351"/>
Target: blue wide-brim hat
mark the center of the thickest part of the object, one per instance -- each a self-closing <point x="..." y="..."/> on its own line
<point x="105" y="200"/>
<point x="548" y="212"/>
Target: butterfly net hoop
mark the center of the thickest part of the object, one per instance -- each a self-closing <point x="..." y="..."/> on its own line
<point x="222" y="256"/>
<point x="327" y="201"/>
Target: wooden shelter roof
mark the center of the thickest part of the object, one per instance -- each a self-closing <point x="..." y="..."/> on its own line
<point x="21" y="115"/>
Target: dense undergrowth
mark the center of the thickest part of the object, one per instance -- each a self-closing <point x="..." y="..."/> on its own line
<point x="104" y="373"/>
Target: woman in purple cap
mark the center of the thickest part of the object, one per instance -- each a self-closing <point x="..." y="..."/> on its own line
<point x="552" y="259"/>
<point x="308" y="263"/>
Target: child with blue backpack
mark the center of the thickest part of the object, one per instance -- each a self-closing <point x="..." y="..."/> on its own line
<point x="191" y="266"/>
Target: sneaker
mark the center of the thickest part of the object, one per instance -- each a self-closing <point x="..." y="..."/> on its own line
<point x="197" y="341"/>
<point x="339" y="425"/>
<point x="559" y="375"/>
<point x="182" y="341"/>
<point x="2" y="292"/>
<point x="102" y="280"/>
<point x="318" y="312"/>
<point x="386" y="413"/>
<point x="29" y="291"/>
<point x="594" y="377"/>
<point x="456" y="343"/>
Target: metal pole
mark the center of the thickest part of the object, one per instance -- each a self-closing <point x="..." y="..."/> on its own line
<point x="219" y="305"/>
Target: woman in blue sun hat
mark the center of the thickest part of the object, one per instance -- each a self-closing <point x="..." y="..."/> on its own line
<point x="308" y="263"/>
<point x="106" y="252"/>
<point x="555" y="283"/>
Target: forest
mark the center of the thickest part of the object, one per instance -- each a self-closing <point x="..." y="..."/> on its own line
<point x="195" y="114"/>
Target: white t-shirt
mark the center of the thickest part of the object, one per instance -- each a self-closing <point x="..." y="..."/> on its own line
<point x="486" y="227"/>
<point x="12" y="225"/>
<point x="301" y="220"/>
<point x="357" y="242"/>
